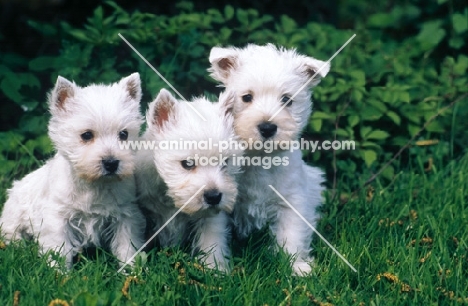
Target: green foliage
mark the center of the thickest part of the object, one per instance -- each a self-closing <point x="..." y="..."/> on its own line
<point x="382" y="88"/>
<point x="23" y="145"/>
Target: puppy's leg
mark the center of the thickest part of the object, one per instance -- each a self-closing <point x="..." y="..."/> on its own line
<point x="294" y="235"/>
<point x="14" y="221"/>
<point x="24" y="208"/>
<point x="53" y="237"/>
<point x="128" y="236"/>
<point x="212" y="237"/>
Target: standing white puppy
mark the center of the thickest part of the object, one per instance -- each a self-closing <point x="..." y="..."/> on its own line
<point x="85" y="195"/>
<point x="190" y="154"/>
<point x="264" y="78"/>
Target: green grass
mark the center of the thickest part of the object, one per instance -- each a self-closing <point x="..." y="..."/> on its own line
<point x="408" y="242"/>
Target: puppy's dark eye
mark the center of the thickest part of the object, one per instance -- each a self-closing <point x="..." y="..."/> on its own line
<point x="87" y="136"/>
<point x="188" y="164"/>
<point x="123" y="135"/>
<point x="285" y="99"/>
<point x="247" y="98"/>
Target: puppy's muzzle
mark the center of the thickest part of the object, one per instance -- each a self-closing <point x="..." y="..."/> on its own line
<point x="212" y="196"/>
<point x="110" y="165"/>
<point x="267" y="129"/>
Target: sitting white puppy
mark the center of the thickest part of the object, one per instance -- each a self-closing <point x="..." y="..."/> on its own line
<point x="264" y="79"/>
<point x="194" y="174"/>
<point x="85" y="195"/>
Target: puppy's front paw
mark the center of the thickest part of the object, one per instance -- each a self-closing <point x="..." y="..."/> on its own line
<point x="302" y="268"/>
<point x="219" y="263"/>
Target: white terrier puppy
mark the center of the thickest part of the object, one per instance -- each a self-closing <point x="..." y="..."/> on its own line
<point x="167" y="179"/>
<point x="85" y="195"/>
<point x="264" y="78"/>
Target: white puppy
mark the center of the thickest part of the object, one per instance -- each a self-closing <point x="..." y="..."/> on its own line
<point x="170" y="176"/>
<point x="264" y="78"/>
<point x="85" y="195"/>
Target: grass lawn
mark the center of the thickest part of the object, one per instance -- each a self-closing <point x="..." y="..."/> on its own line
<point x="408" y="242"/>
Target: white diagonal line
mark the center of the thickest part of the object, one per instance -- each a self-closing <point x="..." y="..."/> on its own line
<point x="161" y="76"/>
<point x="313" y="228"/>
<point x="312" y="77"/>
<point x="159" y="230"/>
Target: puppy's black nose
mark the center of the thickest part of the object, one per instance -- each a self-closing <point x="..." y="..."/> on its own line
<point x="267" y="129"/>
<point x="110" y="165"/>
<point x="212" y="197"/>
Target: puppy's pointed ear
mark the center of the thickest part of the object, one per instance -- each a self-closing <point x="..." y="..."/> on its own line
<point x="62" y="92"/>
<point x="132" y="85"/>
<point x="226" y="101"/>
<point x="223" y="62"/>
<point x="161" y="109"/>
<point x="316" y="68"/>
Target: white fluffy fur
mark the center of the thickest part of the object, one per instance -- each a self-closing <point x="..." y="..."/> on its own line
<point x="72" y="201"/>
<point x="164" y="185"/>
<point x="268" y="74"/>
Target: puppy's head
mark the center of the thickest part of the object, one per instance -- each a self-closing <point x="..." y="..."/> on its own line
<point x="188" y="156"/>
<point x="88" y="125"/>
<point x="272" y="88"/>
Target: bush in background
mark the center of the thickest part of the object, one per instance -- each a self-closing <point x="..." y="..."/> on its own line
<point x="404" y="66"/>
